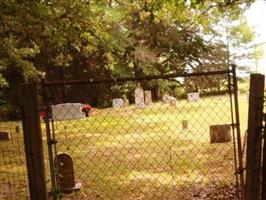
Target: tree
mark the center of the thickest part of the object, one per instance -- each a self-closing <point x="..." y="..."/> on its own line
<point x="72" y="39"/>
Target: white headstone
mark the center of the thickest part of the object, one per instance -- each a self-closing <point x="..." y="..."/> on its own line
<point x="139" y="97"/>
<point x="194" y="96"/>
<point x="148" y="97"/>
<point x="118" y="103"/>
<point x="67" y="111"/>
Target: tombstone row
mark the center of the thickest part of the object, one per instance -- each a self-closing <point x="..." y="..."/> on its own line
<point x="142" y="99"/>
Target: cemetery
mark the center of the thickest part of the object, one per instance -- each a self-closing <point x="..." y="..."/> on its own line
<point x="157" y="145"/>
<point x="132" y="100"/>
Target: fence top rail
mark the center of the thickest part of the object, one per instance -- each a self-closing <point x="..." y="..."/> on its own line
<point x="142" y="78"/>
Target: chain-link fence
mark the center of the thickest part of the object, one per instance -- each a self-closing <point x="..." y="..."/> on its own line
<point x="13" y="167"/>
<point x="153" y="138"/>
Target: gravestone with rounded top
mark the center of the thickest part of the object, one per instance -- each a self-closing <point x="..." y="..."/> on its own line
<point x="66" y="178"/>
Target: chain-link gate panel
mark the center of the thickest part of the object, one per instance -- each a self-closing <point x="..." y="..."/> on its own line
<point x="149" y="138"/>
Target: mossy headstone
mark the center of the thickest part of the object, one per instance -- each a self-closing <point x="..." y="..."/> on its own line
<point x="220" y="133"/>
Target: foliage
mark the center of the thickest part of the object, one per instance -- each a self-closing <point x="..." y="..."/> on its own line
<point x="72" y="39"/>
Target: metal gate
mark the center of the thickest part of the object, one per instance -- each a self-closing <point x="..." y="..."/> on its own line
<point x="156" y="137"/>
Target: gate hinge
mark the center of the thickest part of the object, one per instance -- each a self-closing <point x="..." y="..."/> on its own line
<point x="240" y="170"/>
<point x="52" y="142"/>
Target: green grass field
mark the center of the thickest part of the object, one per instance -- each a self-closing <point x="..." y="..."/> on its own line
<point x="134" y="153"/>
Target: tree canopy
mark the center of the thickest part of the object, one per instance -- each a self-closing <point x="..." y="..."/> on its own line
<point x="71" y="39"/>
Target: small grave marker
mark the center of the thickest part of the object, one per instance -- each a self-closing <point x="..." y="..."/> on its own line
<point x="184" y="125"/>
<point x="17" y="129"/>
<point x="220" y="133"/>
<point x="126" y="101"/>
<point x="66" y="173"/>
<point x="169" y="99"/>
<point x="5" y="135"/>
<point x="194" y="96"/>
<point x="118" y="103"/>
<point x="148" y="97"/>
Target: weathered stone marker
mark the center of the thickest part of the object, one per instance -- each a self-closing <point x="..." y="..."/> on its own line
<point x="66" y="178"/>
<point x="220" y="133"/>
<point x="194" y="96"/>
<point x="184" y="125"/>
<point x="169" y="99"/>
<point x="5" y="135"/>
<point x="17" y="129"/>
<point x="118" y="103"/>
<point x="126" y="101"/>
<point x="139" y="97"/>
<point x="148" y="97"/>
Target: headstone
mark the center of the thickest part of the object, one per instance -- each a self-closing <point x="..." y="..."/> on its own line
<point x="173" y="101"/>
<point x="17" y="129"/>
<point x="194" y="96"/>
<point x="66" y="173"/>
<point x="67" y="111"/>
<point x="220" y="133"/>
<point x="139" y="97"/>
<point x="5" y="135"/>
<point x="126" y="102"/>
<point x="118" y="103"/>
<point x="148" y="97"/>
<point x="184" y="125"/>
<point x="169" y="99"/>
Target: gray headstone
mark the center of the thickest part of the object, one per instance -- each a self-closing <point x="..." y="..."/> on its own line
<point x="67" y="111"/>
<point x="66" y="173"/>
<point x="148" y="97"/>
<point x="169" y="99"/>
<point x="5" y="135"/>
<point x="139" y="97"/>
<point x="118" y="103"/>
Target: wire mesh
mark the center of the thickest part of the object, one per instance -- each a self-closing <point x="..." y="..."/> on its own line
<point x="13" y="167"/>
<point x="134" y="141"/>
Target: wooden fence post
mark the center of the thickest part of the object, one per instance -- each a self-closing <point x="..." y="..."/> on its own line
<point x="33" y="142"/>
<point x="254" y="138"/>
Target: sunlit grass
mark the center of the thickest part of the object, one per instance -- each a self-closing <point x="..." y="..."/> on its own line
<point x="134" y="153"/>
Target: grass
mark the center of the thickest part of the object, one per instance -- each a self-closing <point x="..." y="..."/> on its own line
<point x="132" y="153"/>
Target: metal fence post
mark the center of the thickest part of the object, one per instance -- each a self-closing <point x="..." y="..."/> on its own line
<point x="33" y="142"/>
<point x="238" y="131"/>
<point x="254" y="138"/>
<point x="263" y="181"/>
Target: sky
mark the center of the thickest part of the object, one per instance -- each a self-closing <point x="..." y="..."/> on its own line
<point x="256" y="16"/>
